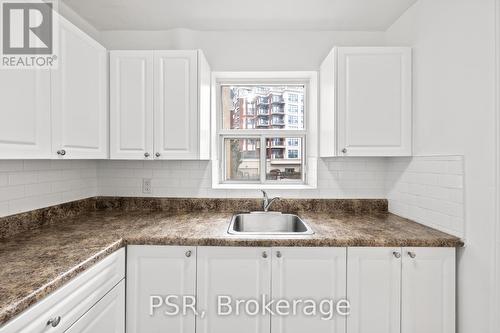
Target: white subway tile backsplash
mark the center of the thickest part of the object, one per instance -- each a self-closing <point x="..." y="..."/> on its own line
<point x="429" y="190"/>
<point x="32" y="184"/>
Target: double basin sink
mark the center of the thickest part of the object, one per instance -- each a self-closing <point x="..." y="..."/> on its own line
<point x="268" y="223"/>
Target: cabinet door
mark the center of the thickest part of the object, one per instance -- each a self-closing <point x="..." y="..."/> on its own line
<point x="374" y="101"/>
<point x="25" y="114"/>
<point x="176" y="105"/>
<point x="374" y="290"/>
<point x="240" y="273"/>
<point x="131" y="104"/>
<point x="108" y="315"/>
<point x="79" y="96"/>
<point x="154" y="271"/>
<point x="428" y="290"/>
<point x="308" y="274"/>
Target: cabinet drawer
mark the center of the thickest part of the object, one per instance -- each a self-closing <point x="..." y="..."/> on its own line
<point x="72" y="300"/>
<point x="108" y="315"/>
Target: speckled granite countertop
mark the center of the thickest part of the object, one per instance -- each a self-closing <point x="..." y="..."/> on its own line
<point x="36" y="261"/>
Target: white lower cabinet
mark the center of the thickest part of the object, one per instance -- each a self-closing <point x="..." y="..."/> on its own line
<point x="428" y="290"/>
<point x="108" y="315"/>
<point x="155" y="272"/>
<point x="241" y="273"/>
<point x="304" y="274"/>
<point x="374" y="290"/>
<point x="401" y="290"/>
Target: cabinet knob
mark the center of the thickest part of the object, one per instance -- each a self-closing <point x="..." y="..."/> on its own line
<point x="157" y="154"/>
<point x="278" y="254"/>
<point x="61" y="152"/>
<point x="344" y="150"/>
<point x="54" y="321"/>
<point x="412" y="255"/>
<point x="396" y="254"/>
<point x="264" y="254"/>
<point x="146" y="154"/>
<point x="188" y="253"/>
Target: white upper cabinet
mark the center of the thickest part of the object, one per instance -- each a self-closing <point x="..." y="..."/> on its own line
<point x="131" y="104"/>
<point x="428" y="290"/>
<point x="25" y="114"/>
<point x="374" y="290"/>
<point x="366" y="102"/>
<point x="79" y="96"/>
<point x="160" y="105"/>
<point x="158" y="271"/>
<point x="243" y="273"/>
<point x="308" y="274"/>
<point x="176" y="104"/>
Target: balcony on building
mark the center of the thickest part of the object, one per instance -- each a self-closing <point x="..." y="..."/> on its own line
<point x="277" y="110"/>
<point x="278" y="143"/>
<point x="277" y="99"/>
<point x="262" y="100"/>
<point x="262" y="122"/>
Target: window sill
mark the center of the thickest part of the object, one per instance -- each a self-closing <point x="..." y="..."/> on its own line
<point x="263" y="186"/>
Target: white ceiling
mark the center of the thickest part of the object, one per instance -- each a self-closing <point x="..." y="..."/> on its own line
<point x="367" y="15"/>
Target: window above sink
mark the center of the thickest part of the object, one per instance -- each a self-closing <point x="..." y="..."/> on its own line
<point x="265" y="126"/>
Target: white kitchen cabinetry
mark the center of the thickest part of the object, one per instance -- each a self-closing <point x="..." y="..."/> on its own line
<point x="25" y="114"/>
<point x="159" y="271"/>
<point x="108" y="315"/>
<point x="61" y="309"/>
<point x="308" y="274"/>
<point x="366" y="102"/>
<point x="374" y="290"/>
<point x="79" y="96"/>
<point x="131" y="104"/>
<point x="242" y="273"/>
<point x="408" y="290"/>
<point x="428" y="290"/>
<point x="160" y="105"/>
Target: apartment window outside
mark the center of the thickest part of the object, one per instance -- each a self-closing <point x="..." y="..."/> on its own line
<point x="256" y="150"/>
<point x="294" y="153"/>
<point x="265" y="130"/>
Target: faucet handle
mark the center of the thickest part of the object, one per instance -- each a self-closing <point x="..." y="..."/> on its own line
<point x="264" y="193"/>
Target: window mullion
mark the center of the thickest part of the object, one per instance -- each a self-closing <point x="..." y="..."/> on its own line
<point x="263" y="154"/>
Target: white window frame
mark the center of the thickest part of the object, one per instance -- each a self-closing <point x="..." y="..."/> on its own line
<point x="309" y="146"/>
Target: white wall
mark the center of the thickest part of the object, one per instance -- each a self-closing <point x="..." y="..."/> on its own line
<point x="78" y="21"/>
<point x="454" y="113"/>
<point x="32" y="184"/>
<point x="246" y="50"/>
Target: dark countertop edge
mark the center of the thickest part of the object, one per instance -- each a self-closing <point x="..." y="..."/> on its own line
<point x="17" y="308"/>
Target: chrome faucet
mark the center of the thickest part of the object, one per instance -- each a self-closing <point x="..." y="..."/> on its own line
<point x="266" y="203"/>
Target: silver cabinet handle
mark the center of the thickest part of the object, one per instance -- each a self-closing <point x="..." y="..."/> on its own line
<point x="188" y="253"/>
<point x="396" y="254"/>
<point x="264" y="254"/>
<point x="157" y="154"/>
<point x="61" y="152"/>
<point x="344" y="150"/>
<point x="412" y="255"/>
<point x="278" y="254"/>
<point x="146" y="154"/>
<point x="54" y="321"/>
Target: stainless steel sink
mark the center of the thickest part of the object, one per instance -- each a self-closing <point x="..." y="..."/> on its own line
<point x="268" y="223"/>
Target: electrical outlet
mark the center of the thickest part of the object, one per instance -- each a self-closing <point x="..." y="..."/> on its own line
<point x="146" y="186"/>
